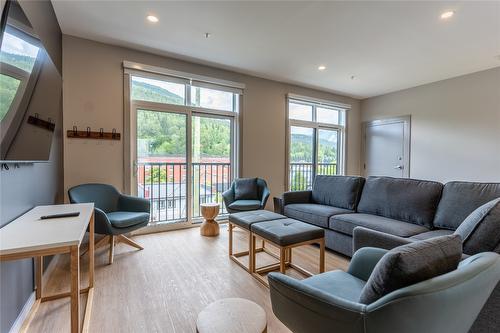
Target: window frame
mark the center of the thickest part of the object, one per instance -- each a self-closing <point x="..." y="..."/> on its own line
<point x="316" y="126"/>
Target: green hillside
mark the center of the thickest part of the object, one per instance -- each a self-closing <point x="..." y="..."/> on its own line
<point x="20" y="61"/>
<point x="148" y="92"/>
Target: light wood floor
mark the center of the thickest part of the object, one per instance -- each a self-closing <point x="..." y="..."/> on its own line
<point x="163" y="287"/>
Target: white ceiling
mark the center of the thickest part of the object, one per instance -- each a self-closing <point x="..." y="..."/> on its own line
<point x="387" y="46"/>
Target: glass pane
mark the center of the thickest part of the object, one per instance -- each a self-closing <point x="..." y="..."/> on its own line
<point x="212" y="99"/>
<point x="211" y="158"/>
<point x="161" y="163"/>
<point x="8" y="90"/>
<point x="329" y="116"/>
<point x="157" y="91"/>
<point x="327" y="152"/>
<point x="301" y="158"/>
<point x="18" y="52"/>
<point x="300" y="111"/>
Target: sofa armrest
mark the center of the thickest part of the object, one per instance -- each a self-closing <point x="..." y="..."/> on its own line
<point x="303" y="308"/>
<point x="364" y="261"/>
<point x="363" y="237"/>
<point x="293" y="197"/>
<point x="130" y="203"/>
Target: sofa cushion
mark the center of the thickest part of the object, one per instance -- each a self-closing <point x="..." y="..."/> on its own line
<point x="127" y="219"/>
<point x="412" y="263"/>
<point x="337" y="283"/>
<point x="459" y="199"/>
<point x="432" y="234"/>
<point x="286" y="232"/>
<point x="245" y="205"/>
<point x="313" y="213"/>
<point x="347" y="222"/>
<point x="246" y="189"/>
<point x="480" y="231"/>
<point x="409" y="200"/>
<point x="338" y="191"/>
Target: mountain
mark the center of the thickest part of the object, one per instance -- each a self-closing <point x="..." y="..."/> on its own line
<point x="148" y="92"/>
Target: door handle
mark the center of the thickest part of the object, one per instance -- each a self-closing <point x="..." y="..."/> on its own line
<point x="400" y="167"/>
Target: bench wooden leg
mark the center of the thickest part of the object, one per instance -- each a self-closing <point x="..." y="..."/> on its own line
<point x="283" y="252"/>
<point x="251" y="259"/>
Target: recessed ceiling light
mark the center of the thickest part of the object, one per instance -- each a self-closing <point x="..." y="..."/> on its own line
<point x="152" y="18"/>
<point x="447" y="15"/>
<point x="321" y="67"/>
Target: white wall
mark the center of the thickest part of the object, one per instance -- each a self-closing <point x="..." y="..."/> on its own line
<point x="455" y="133"/>
<point x="93" y="96"/>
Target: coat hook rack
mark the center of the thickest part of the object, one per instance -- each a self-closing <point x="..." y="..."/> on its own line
<point x="45" y="124"/>
<point x="89" y="134"/>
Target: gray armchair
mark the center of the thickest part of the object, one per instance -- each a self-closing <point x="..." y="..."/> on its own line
<point x="115" y="214"/>
<point x="328" y="302"/>
<point x="234" y="205"/>
<point x="487" y="321"/>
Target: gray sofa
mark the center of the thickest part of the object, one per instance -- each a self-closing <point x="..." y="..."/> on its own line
<point x="389" y="212"/>
<point x="408" y="208"/>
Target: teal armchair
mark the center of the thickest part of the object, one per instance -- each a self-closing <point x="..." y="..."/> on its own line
<point x="328" y="302"/>
<point x="116" y="214"/>
<point x="233" y="205"/>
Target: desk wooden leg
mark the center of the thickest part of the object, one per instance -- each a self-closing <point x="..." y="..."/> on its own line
<point x="91" y="251"/>
<point x="75" y="289"/>
<point x="38" y="276"/>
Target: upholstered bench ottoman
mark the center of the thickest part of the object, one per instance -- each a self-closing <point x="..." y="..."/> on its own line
<point x="285" y="234"/>
<point x="245" y="220"/>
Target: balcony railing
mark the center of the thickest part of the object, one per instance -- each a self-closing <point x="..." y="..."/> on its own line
<point x="165" y="186"/>
<point x="302" y="174"/>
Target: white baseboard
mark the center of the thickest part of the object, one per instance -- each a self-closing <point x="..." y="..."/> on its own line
<point x="23" y="315"/>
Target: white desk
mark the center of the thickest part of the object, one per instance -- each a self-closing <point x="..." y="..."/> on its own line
<point x="28" y="236"/>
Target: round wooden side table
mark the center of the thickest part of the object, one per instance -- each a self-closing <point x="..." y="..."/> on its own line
<point x="209" y="227"/>
<point x="232" y="315"/>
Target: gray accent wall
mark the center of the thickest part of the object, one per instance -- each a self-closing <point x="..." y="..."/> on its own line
<point x="28" y="185"/>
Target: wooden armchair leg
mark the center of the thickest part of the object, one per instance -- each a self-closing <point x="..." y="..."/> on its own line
<point x="111" y="248"/>
<point x="103" y="241"/>
<point x="128" y="241"/>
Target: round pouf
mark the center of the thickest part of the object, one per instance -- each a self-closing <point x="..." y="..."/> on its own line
<point x="209" y="227"/>
<point x="232" y="315"/>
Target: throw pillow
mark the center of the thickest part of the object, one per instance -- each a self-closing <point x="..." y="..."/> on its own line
<point x="412" y="263"/>
<point x="246" y="189"/>
<point x="480" y="231"/>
